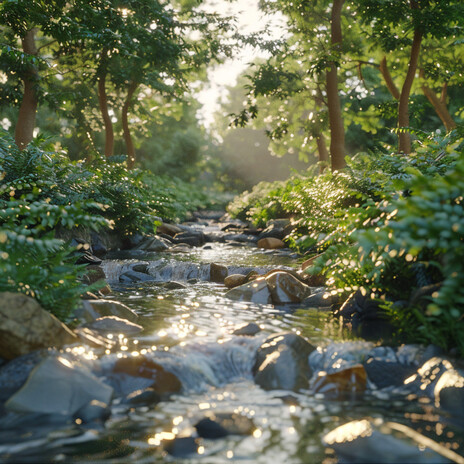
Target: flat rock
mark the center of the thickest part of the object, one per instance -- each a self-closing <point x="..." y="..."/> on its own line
<point x="249" y="329"/>
<point x="94" y="309"/>
<point x="134" y="276"/>
<point x="55" y="386"/>
<point x="361" y="442"/>
<point x="285" y="288"/>
<point x="115" y="325"/>
<point x="255" y="292"/>
<point x="25" y="326"/>
<point x="173" y="285"/>
<point x="168" y="229"/>
<point x="271" y="243"/>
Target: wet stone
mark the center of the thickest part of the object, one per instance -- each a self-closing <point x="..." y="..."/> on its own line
<point x="341" y="383"/>
<point x="181" y="447"/>
<point x="55" y="386"/>
<point x="114" y="324"/>
<point x="256" y="292"/>
<point x="92" y="412"/>
<point x="218" y="273"/>
<point x="361" y="442"/>
<point x="235" y="280"/>
<point x="208" y="428"/>
<point x="161" y="380"/>
<point x="449" y="394"/>
<point x="285" y="288"/>
<point x="270" y="243"/>
<point x="148" y="396"/>
<point x="134" y="276"/>
<point x="386" y="373"/>
<point x="173" y="285"/>
<point x="94" y="309"/>
<point x="249" y="329"/>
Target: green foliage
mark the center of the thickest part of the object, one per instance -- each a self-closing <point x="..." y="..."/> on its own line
<point x="388" y="225"/>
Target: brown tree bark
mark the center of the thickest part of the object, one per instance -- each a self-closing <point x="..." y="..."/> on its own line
<point x="404" y="139"/>
<point x="24" y="130"/>
<point x="439" y="105"/>
<point x="125" y="125"/>
<point x="337" y="129"/>
<point x="388" y="79"/>
<point x="103" y="102"/>
<point x="322" y="151"/>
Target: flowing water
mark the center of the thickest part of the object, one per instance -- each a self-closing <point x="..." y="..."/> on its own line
<point x="189" y="331"/>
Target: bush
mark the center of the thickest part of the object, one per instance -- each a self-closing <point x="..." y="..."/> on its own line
<point x="388" y="225"/>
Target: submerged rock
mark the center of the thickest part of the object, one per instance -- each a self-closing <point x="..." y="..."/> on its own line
<point x="181" y="447"/>
<point x="282" y="362"/>
<point x="220" y="425"/>
<point x="351" y="380"/>
<point x="115" y="325"/>
<point x="249" y="329"/>
<point x="94" y="309"/>
<point x="160" y="380"/>
<point x="55" y="386"/>
<point x="25" y="326"/>
<point x="361" y="442"/>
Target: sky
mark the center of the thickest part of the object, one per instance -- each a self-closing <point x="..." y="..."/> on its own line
<point x="249" y="19"/>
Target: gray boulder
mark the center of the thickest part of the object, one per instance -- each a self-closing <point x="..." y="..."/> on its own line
<point x="282" y="362"/>
<point x="55" y="386"/>
<point x="25" y="326"/>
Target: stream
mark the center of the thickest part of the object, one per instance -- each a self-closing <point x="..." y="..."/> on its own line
<point x="189" y="331"/>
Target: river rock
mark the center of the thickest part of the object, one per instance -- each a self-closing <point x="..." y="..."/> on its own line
<point x="387" y="373"/>
<point x="160" y="380"/>
<point x="365" y="318"/>
<point x="93" y="273"/>
<point x="25" y="326"/>
<point x="168" y="229"/>
<point x="235" y="280"/>
<point x="318" y="300"/>
<point x="142" y="267"/>
<point x="271" y="243"/>
<point x="181" y="447"/>
<point x="55" y="386"/>
<point x="282" y="362"/>
<point x="449" y="393"/>
<point x="249" y="329"/>
<point x="173" y="285"/>
<point x="134" y="276"/>
<point x="193" y="237"/>
<point x="219" y="425"/>
<point x="256" y="292"/>
<point x="154" y="244"/>
<point x="92" y="412"/>
<point x="276" y="228"/>
<point x="351" y="380"/>
<point x="94" y="309"/>
<point x="361" y="442"/>
<point x="218" y="273"/>
<point x="285" y="288"/>
<point x="115" y="325"/>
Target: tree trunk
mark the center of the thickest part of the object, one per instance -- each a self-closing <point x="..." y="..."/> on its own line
<point x="322" y="151"/>
<point x="404" y="138"/>
<point x="24" y="130"/>
<point x="130" y="149"/>
<point x="337" y="130"/>
<point x="103" y="102"/>
<point x="388" y="79"/>
<point x="439" y="105"/>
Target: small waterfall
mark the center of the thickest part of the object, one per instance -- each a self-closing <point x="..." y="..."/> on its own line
<point x="113" y="268"/>
<point x="163" y="270"/>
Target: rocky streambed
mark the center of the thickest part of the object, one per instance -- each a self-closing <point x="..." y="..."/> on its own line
<point x="174" y="366"/>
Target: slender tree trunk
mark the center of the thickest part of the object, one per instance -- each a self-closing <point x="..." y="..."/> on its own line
<point x="103" y="102"/>
<point x="439" y="105"/>
<point x="388" y="79"/>
<point x="24" y="130"/>
<point x="337" y="129"/>
<point x="404" y="138"/>
<point x="322" y="151"/>
<point x="130" y="149"/>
